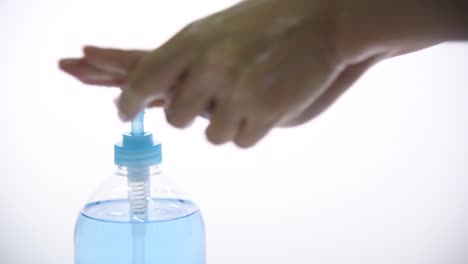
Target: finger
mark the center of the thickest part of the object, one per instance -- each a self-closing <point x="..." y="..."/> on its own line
<point x="194" y="95"/>
<point x="157" y="103"/>
<point x="336" y="89"/>
<point x="162" y="102"/>
<point x="88" y="74"/>
<point x="153" y="77"/>
<point x="116" y="61"/>
<point x="250" y="133"/>
<point x="224" y="125"/>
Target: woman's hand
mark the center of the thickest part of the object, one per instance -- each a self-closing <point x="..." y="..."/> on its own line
<point x="255" y="66"/>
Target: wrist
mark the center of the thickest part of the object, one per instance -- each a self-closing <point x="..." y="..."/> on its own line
<point x="389" y="26"/>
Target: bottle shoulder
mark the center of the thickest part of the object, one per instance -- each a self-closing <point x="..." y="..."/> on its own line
<point x="158" y="210"/>
<point x="117" y="187"/>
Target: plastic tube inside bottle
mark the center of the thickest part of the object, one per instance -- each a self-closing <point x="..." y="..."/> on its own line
<point x="138" y="196"/>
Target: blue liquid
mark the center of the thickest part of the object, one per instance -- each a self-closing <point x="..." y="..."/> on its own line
<point x="173" y="233"/>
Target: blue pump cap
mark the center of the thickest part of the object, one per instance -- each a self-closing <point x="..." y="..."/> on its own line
<point x="137" y="149"/>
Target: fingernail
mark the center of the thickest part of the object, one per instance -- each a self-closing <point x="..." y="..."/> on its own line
<point x="66" y="62"/>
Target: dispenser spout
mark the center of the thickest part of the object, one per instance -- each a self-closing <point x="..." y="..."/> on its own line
<point x="138" y="128"/>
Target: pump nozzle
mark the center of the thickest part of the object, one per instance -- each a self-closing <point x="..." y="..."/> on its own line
<point x="137" y="149"/>
<point x="138" y="152"/>
<point x="138" y="128"/>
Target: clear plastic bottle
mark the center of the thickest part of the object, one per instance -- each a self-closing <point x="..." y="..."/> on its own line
<point x="138" y="216"/>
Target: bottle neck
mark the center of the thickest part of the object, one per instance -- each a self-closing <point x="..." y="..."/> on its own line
<point x="138" y="171"/>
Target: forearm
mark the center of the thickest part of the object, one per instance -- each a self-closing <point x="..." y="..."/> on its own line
<point x="373" y="25"/>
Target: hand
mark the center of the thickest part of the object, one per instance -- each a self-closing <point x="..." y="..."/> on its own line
<point x="255" y="66"/>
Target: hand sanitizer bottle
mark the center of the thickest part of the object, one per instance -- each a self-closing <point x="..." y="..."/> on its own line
<point x="138" y="216"/>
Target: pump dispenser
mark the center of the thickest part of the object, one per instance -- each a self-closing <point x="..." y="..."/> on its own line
<point x="138" y="216"/>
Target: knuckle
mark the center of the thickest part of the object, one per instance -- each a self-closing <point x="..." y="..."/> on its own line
<point x="254" y="129"/>
<point x="177" y="120"/>
<point x="218" y="67"/>
<point x="214" y="137"/>
<point x="196" y="32"/>
<point x="192" y="27"/>
<point x="181" y="99"/>
<point x="187" y="31"/>
<point x="138" y="85"/>
<point x="243" y="143"/>
<point x="220" y="132"/>
<point x="269" y="109"/>
<point x="249" y="88"/>
<point x="192" y="92"/>
<point x="221" y="60"/>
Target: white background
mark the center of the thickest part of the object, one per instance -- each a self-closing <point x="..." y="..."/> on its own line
<point x="379" y="178"/>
